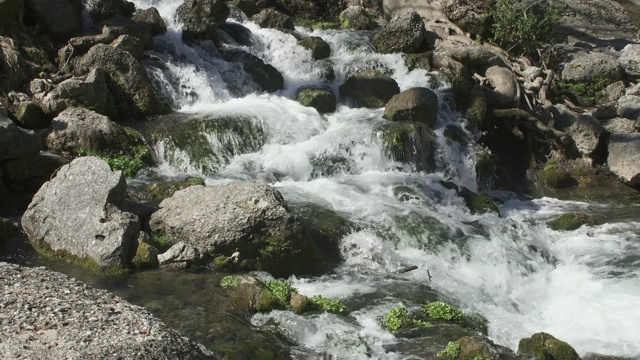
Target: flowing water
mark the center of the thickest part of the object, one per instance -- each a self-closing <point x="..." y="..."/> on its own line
<point x="582" y="286"/>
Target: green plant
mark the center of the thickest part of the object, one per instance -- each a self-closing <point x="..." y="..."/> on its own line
<point x="521" y="26"/>
<point x="443" y="311"/>
<point x="128" y="164"/>
<point x="282" y="290"/>
<point x="229" y="282"/>
<point x="587" y="93"/>
<point x="451" y="351"/>
<point x="330" y="305"/>
<point x="192" y="181"/>
<point x="160" y="242"/>
<point x="420" y="323"/>
<point x="396" y="318"/>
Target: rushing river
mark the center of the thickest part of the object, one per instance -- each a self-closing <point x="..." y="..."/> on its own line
<point x="582" y="286"/>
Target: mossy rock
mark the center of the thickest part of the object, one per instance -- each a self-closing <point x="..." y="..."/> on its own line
<point x="418" y="61"/>
<point x="555" y="176"/>
<point x="573" y="221"/>
<point x="473" y="348"/>
<point x="477" y="203"/>
<point x="300" y="304"/>
<point x="146" y="257"/>
<point x="267" y="301"/>
<point x="319" y="48"/>
<point x="321" y="99"/>
<point x="543" y="346"/>
<point x="409" y="142"/>
<point x="160" y="190"/>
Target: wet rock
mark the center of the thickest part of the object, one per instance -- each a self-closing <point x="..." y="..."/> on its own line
<point x="31" y="116"/>
<point x="78" y="212"/>
<point x="477" y="203"/>
<point x="151" y="17"/>
<point x="370" y="88"/>
<point x="357" y="18"/>
<point x="248" y="217"/>
<point x="16" y="142"/>
<point x="61" y="18"/>
<point x="180" y="255"/>
<point x="105" y="9"/>
<point x="319" y="48"/>
<point x="128" y="84"/>
<point x="573" y="221"/>
<point x="624" y="157"/>
<point x="248" y="7"/>
<point x="146" y="255"/>
<point x="265" y="75"/>
<point x="414" y="105"/>
<point x="404" y="33"/>
<point x="409" y="142"/>
<point x="200" y="19"/>
<point x="270" y="18"/>
<point x="542" y="346"/>
<point x="630" y="61"/>
<point x="112" y="327"/>
<point x="555" y="176"/>
<point x="322" y="99"/>
<point x="418" y="61"/>
<point x="590" y="67"/>
<point x="119" y="26"/>
<point x="130" y="44"/>
<point x="78" y="130"/>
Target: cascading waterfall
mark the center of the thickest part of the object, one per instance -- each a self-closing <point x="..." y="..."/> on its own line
<point x="582" y="286"/>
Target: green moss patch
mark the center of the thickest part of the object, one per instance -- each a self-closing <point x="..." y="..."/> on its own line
<point x="543" y="346"/>
<point x="443" y="311"/>
<point x="573" y="221"/>
<point x="229" y="282"/>
<point x="586" y="93"/>
<point x="555" y="176"/>
<point x="451" y="351"/>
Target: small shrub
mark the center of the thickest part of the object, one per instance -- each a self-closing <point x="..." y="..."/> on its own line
<point x="229" y="282"/>
<point x="443" y="311"/>
<point x="282" y="290"/>
<point x="452" y="351"/>
<point x="396" y="319"/>
<point x="329" y="305"/>
<point x="129" y="164"/>
<point x="521" y="26"/>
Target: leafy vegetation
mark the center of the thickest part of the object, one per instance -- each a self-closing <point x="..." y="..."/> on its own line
<point x="329" y="305"/>
<point x="452" y="351"/>
<point x="160" y="242"/>
<point x="587" y="93"/>
<point x="396" y="319"/>
<point x="522" y="26"/>
<point x="443" y="311"/>
<point x="129" y="164"/>
<point x="229" y="282"/>
<point x="281" y="290"/>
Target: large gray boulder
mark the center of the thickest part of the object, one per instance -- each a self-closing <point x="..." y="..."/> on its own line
<point x="61" y="18"/>
<point x="270" y="18"/>
<point x="151" y="17"/>
<point x="201" y="18"/>
<point x="630" y="61"/>
<point x="249" y="217"/>
<point x="592" y="66"/>
<point x="416" y="105"/>
<point x="404" y="33"/>
<point x="624" y="157"/>
<point x="370" y="88"/>
<point x="16" y="142"/>
<point x="128" y="83"/>
<point x="584" y="129"/>
<point x="69" y="320"/>
<point x="89" y="92"/>
<point x="81" y="130"/>
<point x="78" y="212"/>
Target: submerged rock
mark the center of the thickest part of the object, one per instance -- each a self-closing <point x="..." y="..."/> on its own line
<point x="371" y="88"/>
<point x="404" y="33"/>
<point x="415" y="104"/>
<point x="409" y="142"/>
<point x="248" y="217"/>
<point x="542" y="346"/>
<point x="573" y="221"/>
<point x="91" y="323"/>
<point x="78" y="213"/>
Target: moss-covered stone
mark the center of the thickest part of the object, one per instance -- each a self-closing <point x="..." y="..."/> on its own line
<point x="477" y="203"/>
<point x="573" y="221"/>
<point x="472" y="348"/>
<point x="409" y="142"/>
<point x="543" y="346"/>
<point x="319" y="48"/>
<point x="322" y="99"/>
<point x="160" y="190"/>
<point x="221" y="263"/>
<point x="146" y="257"/>
<point x="267" y="301"/>
<point x="555" y="176"/>
<point x="300" y="304"/>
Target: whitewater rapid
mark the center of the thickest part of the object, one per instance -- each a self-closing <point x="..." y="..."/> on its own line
<point x="581" y="286"/>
